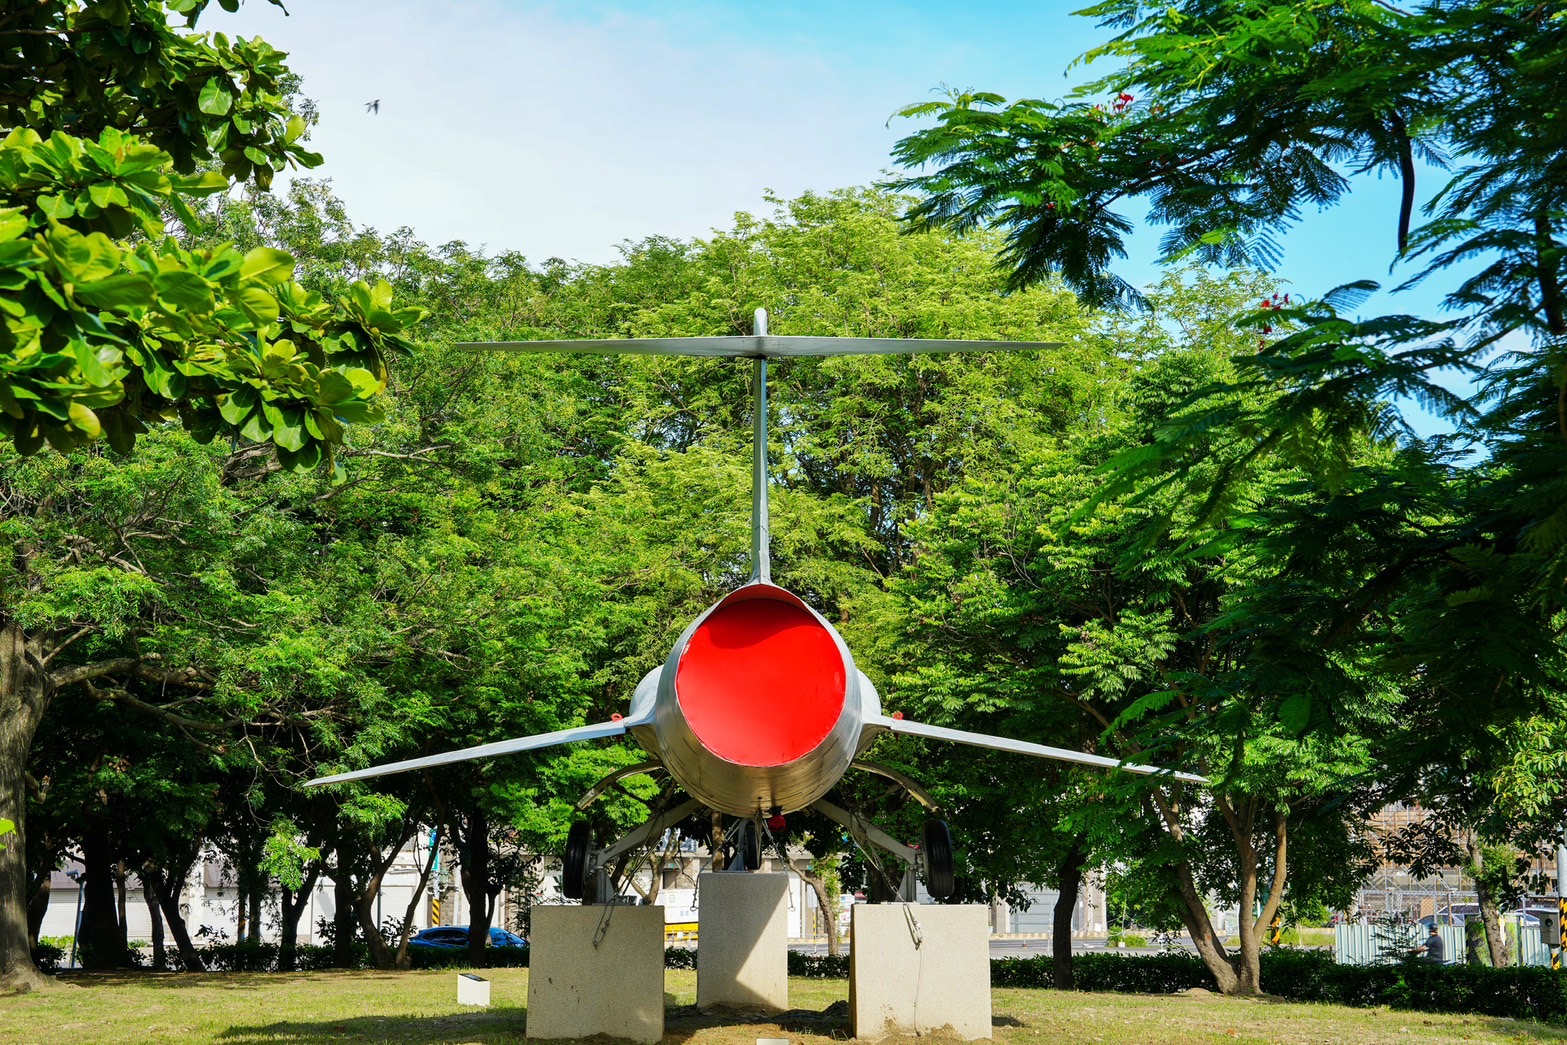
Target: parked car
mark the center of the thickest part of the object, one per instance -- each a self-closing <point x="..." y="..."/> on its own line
<point x="455" y="937"/>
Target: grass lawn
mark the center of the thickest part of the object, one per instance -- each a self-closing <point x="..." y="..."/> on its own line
<point x="419" y="1007"/>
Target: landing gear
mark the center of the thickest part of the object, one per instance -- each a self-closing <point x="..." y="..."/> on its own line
<point x="574" y="876"/>
<point x="751" y="847"/>
<point x="940" y="881"/>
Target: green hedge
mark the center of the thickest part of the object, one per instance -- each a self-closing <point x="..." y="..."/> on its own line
<point x="1534" y="992"/>
<point x="263" y="957"/>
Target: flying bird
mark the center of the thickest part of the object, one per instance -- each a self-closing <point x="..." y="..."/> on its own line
<point x="373" y="106"/>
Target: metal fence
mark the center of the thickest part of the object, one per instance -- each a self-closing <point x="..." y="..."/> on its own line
<point x="1371" y="944"/>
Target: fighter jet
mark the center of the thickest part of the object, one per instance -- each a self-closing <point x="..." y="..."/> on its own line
<point x="759" y="710"/>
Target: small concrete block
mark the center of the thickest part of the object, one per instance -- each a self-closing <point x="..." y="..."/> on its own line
<point x="472" y="990"/>
<point x="742" y="950"/>
<point x="919" y="968"/>
<point x="616" y="988"/>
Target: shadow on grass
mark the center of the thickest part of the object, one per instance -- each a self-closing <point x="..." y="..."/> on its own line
<point x="144" y="979"/>
<point x="683" y="1021"/>
<point x="495" y="1025"/>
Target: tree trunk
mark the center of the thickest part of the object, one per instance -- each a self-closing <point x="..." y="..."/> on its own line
<point x="1194" y="915"/>
<point x="342" y="914"/>
<point x="403" y="961"/>
<point x="255" y="915"/>
<point x="1241" y="973"/>
<point x="475" y="850"/>
<point x="37" y="908"/>
<point x="167" y="886"/>
<point x="241" y="909"/>
<point x="1071" y="878"/>
<point x="159" y="958"/>
<point x="103" y="935"/>
<point x="21" y="704"/>
<point x="364" y="909"/>
<point x="289" y="913"/>
<point x="1490" y="916"/>
<point x="825" y="905"/>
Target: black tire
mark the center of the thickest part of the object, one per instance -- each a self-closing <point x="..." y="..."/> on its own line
<point x="574" y="874"/>
<point x="940" y="881"/>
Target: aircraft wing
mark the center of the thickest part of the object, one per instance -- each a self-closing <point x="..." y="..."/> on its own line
<point x="1021" y="747"/>
<point x="500" y="747"/>
<point x="765" y="346"/>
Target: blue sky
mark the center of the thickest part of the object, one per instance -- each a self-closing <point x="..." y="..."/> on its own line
<point x="563" y="129"/>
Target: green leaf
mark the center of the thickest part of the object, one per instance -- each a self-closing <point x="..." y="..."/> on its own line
<point x="184" y="290"/>
<point x="257" y="304"/>
<point x="122" y="291"/>
<point x="288" y="428"/>
<point x="85" y="420"/>
<point x="268" y="265"/>
<point x="237" y="404"/>
<point x="216" y="96"/>
<point x="1295" y="712"/>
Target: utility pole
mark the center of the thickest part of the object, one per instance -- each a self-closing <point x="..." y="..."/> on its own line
<point x="1561" y="905"/>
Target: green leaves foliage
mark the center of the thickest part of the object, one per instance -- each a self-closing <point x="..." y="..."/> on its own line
<point x="101" y="338"/>
<point x="130" y="66"/>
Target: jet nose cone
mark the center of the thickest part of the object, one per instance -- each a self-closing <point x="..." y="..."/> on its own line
<point x="761" y="682"/>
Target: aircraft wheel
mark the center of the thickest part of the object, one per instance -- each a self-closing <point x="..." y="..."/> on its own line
<point x="574" y="877"/>
<point x="940" y="880"/>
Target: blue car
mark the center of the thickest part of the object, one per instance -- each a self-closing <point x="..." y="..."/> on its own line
<point x="455" y="938"/>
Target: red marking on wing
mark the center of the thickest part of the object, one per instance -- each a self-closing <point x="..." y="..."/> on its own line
<point x="761" y="682"/>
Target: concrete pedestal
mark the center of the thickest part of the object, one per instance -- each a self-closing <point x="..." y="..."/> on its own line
<point x="742" y="951"/>
<point x="577" y="988"/>
<point x="915" y="969"/>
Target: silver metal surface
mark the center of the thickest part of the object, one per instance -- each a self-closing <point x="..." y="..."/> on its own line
<point x="746" y="790"/>
<point x="649" y="830"/>
<point x="761" y="531"/>
<point x="592" y="793"/>
<point x="900" y="778"/>
<point x="499" y="747"/>
<point x="864" y="832"/>
<point x="1020" y="747"/>
<point x="760" y="347"/>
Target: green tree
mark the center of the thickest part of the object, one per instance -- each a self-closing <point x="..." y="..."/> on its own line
<point x="1229" y="123"/>
<point x="1027" y="614"/>
<point x="111" y="326"/>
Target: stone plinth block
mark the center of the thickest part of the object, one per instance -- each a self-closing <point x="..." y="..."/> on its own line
<point x="742" y="950"/>
<point x="472" y="990"/>
<point x="916" y="969"/>
<point x="578" y="988"/>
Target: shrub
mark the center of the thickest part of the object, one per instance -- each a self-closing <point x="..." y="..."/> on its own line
<point x="250" y="956"/>
<point x="494" y="958"/>
<point x="685" y="957"/>
<point x="49" y="956"/>
<point x="1533" y="991"/>
<point x="819" y="966"/>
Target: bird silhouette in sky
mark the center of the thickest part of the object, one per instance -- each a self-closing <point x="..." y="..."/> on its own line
<point x="373" y="107"/>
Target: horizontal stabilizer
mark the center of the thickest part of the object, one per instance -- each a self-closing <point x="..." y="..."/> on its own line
<point x="499" y="747"/>
<point x="1021" y="747"/>
<point x="763" y="347"/>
